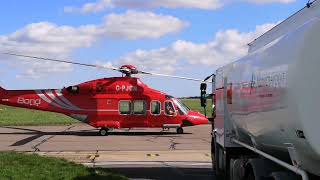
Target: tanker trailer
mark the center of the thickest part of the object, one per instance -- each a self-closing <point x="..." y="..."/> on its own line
<point x="267" y="105"/>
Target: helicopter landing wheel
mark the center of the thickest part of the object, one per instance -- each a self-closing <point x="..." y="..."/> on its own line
<point x="103" y="131"/>
<point x="179" y="130"/>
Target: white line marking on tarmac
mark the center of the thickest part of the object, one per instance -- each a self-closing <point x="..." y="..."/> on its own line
<point x="143" y="164"/>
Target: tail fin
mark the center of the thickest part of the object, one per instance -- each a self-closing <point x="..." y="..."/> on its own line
<point x="2" y="92"/>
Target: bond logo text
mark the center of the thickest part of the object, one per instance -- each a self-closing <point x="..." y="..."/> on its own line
<point x="30" y="102"/>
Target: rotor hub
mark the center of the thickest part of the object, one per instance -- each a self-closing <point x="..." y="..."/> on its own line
<point x="128" y="70"/>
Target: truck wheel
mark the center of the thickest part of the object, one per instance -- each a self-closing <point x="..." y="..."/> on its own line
<point x="250" y="176"/>
<point x="284" y="176"/>
<point x="221" y="162"/>
<point x="103" y="131"/>
<point x="213" y="151"/>
<point x="216" y="163"/>
<point x="179" y="130"/>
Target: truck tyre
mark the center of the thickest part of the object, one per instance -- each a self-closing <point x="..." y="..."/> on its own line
<point x="212" y="151"/>
<point x="221" y="162"/>
<point x="261" y="169"/>
<point x="251" y="176"/>
<point x="284" y="176"/>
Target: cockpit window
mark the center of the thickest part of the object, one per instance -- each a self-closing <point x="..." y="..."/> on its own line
<point x="169" y="108"/>
<point x="183" y="109"/>
<point x="169" y="97"/>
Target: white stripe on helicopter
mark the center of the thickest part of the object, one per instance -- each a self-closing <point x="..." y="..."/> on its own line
<point x="44" y="97"/>
<point x="56" y="99"/>
<point x="65" y="100"/>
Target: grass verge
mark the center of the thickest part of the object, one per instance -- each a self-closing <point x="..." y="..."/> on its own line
<point x="194" y="104"/>
<point x="17" y="166"/>
<point x="12" y="116"/>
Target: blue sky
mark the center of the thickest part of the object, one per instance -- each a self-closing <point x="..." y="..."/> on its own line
<point x="187" y="38"/>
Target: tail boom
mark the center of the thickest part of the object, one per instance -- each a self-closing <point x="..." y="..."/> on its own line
<point x="29" y="99"/>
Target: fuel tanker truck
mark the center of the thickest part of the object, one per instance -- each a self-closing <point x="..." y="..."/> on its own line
<point x="266" y="108"/>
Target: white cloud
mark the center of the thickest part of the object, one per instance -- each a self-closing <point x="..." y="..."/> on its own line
<point x="92" y="7"/>
<point x="140" y="25"/>
<point x="47" y="40"/>
<point x="270" y="1"/>
<point x="102" y="5"/>
<point x="227" y="46"/>
<point x="50" y="40"/>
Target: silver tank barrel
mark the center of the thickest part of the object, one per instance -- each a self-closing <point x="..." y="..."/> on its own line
<point x="276" y="95"/>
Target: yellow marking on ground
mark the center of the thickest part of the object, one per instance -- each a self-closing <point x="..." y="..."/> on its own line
<point x="131" y="156"/>
<point x="153" y="155"/>
<point x="93" y="157"/>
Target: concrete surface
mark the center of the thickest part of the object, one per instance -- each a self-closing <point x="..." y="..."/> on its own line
<point x="82" y="137"/>
<point x="138" y="153"/>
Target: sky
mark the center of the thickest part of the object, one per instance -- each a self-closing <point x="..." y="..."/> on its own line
<point x="189" y="38"/>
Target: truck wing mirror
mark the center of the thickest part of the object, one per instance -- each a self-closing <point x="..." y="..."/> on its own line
<point x="203" y="96"/>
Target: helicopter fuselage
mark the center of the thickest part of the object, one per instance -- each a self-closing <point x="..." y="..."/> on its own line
<point x="120" y="102"/>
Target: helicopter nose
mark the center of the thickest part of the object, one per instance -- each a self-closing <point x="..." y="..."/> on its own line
<point x="196" y="118"/>
<point x="202" y="120"/>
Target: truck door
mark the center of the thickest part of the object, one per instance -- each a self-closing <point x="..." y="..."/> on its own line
<point x="222" y="123"/>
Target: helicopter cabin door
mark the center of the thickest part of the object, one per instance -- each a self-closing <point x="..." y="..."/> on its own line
<point x="170" y="114"/>
<point x="156" y="119"/>
<point x="134" y="113"/>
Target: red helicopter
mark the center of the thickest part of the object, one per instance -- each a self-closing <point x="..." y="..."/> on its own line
<point x="109" y="103"/>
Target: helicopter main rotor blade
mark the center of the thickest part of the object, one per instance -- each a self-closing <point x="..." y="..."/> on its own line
<point x="171" y="76"/>
<point x="64" y="61"/>
<point x="122" y="70"/>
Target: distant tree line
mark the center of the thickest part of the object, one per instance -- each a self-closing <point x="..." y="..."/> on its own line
<point x="195" y="97"/>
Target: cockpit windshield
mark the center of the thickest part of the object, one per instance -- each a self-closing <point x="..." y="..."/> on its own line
<point x="182" y="107"/>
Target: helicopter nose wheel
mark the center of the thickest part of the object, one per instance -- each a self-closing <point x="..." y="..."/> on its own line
<point x="103" y="131"/>
<point x="179" y="130"/>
